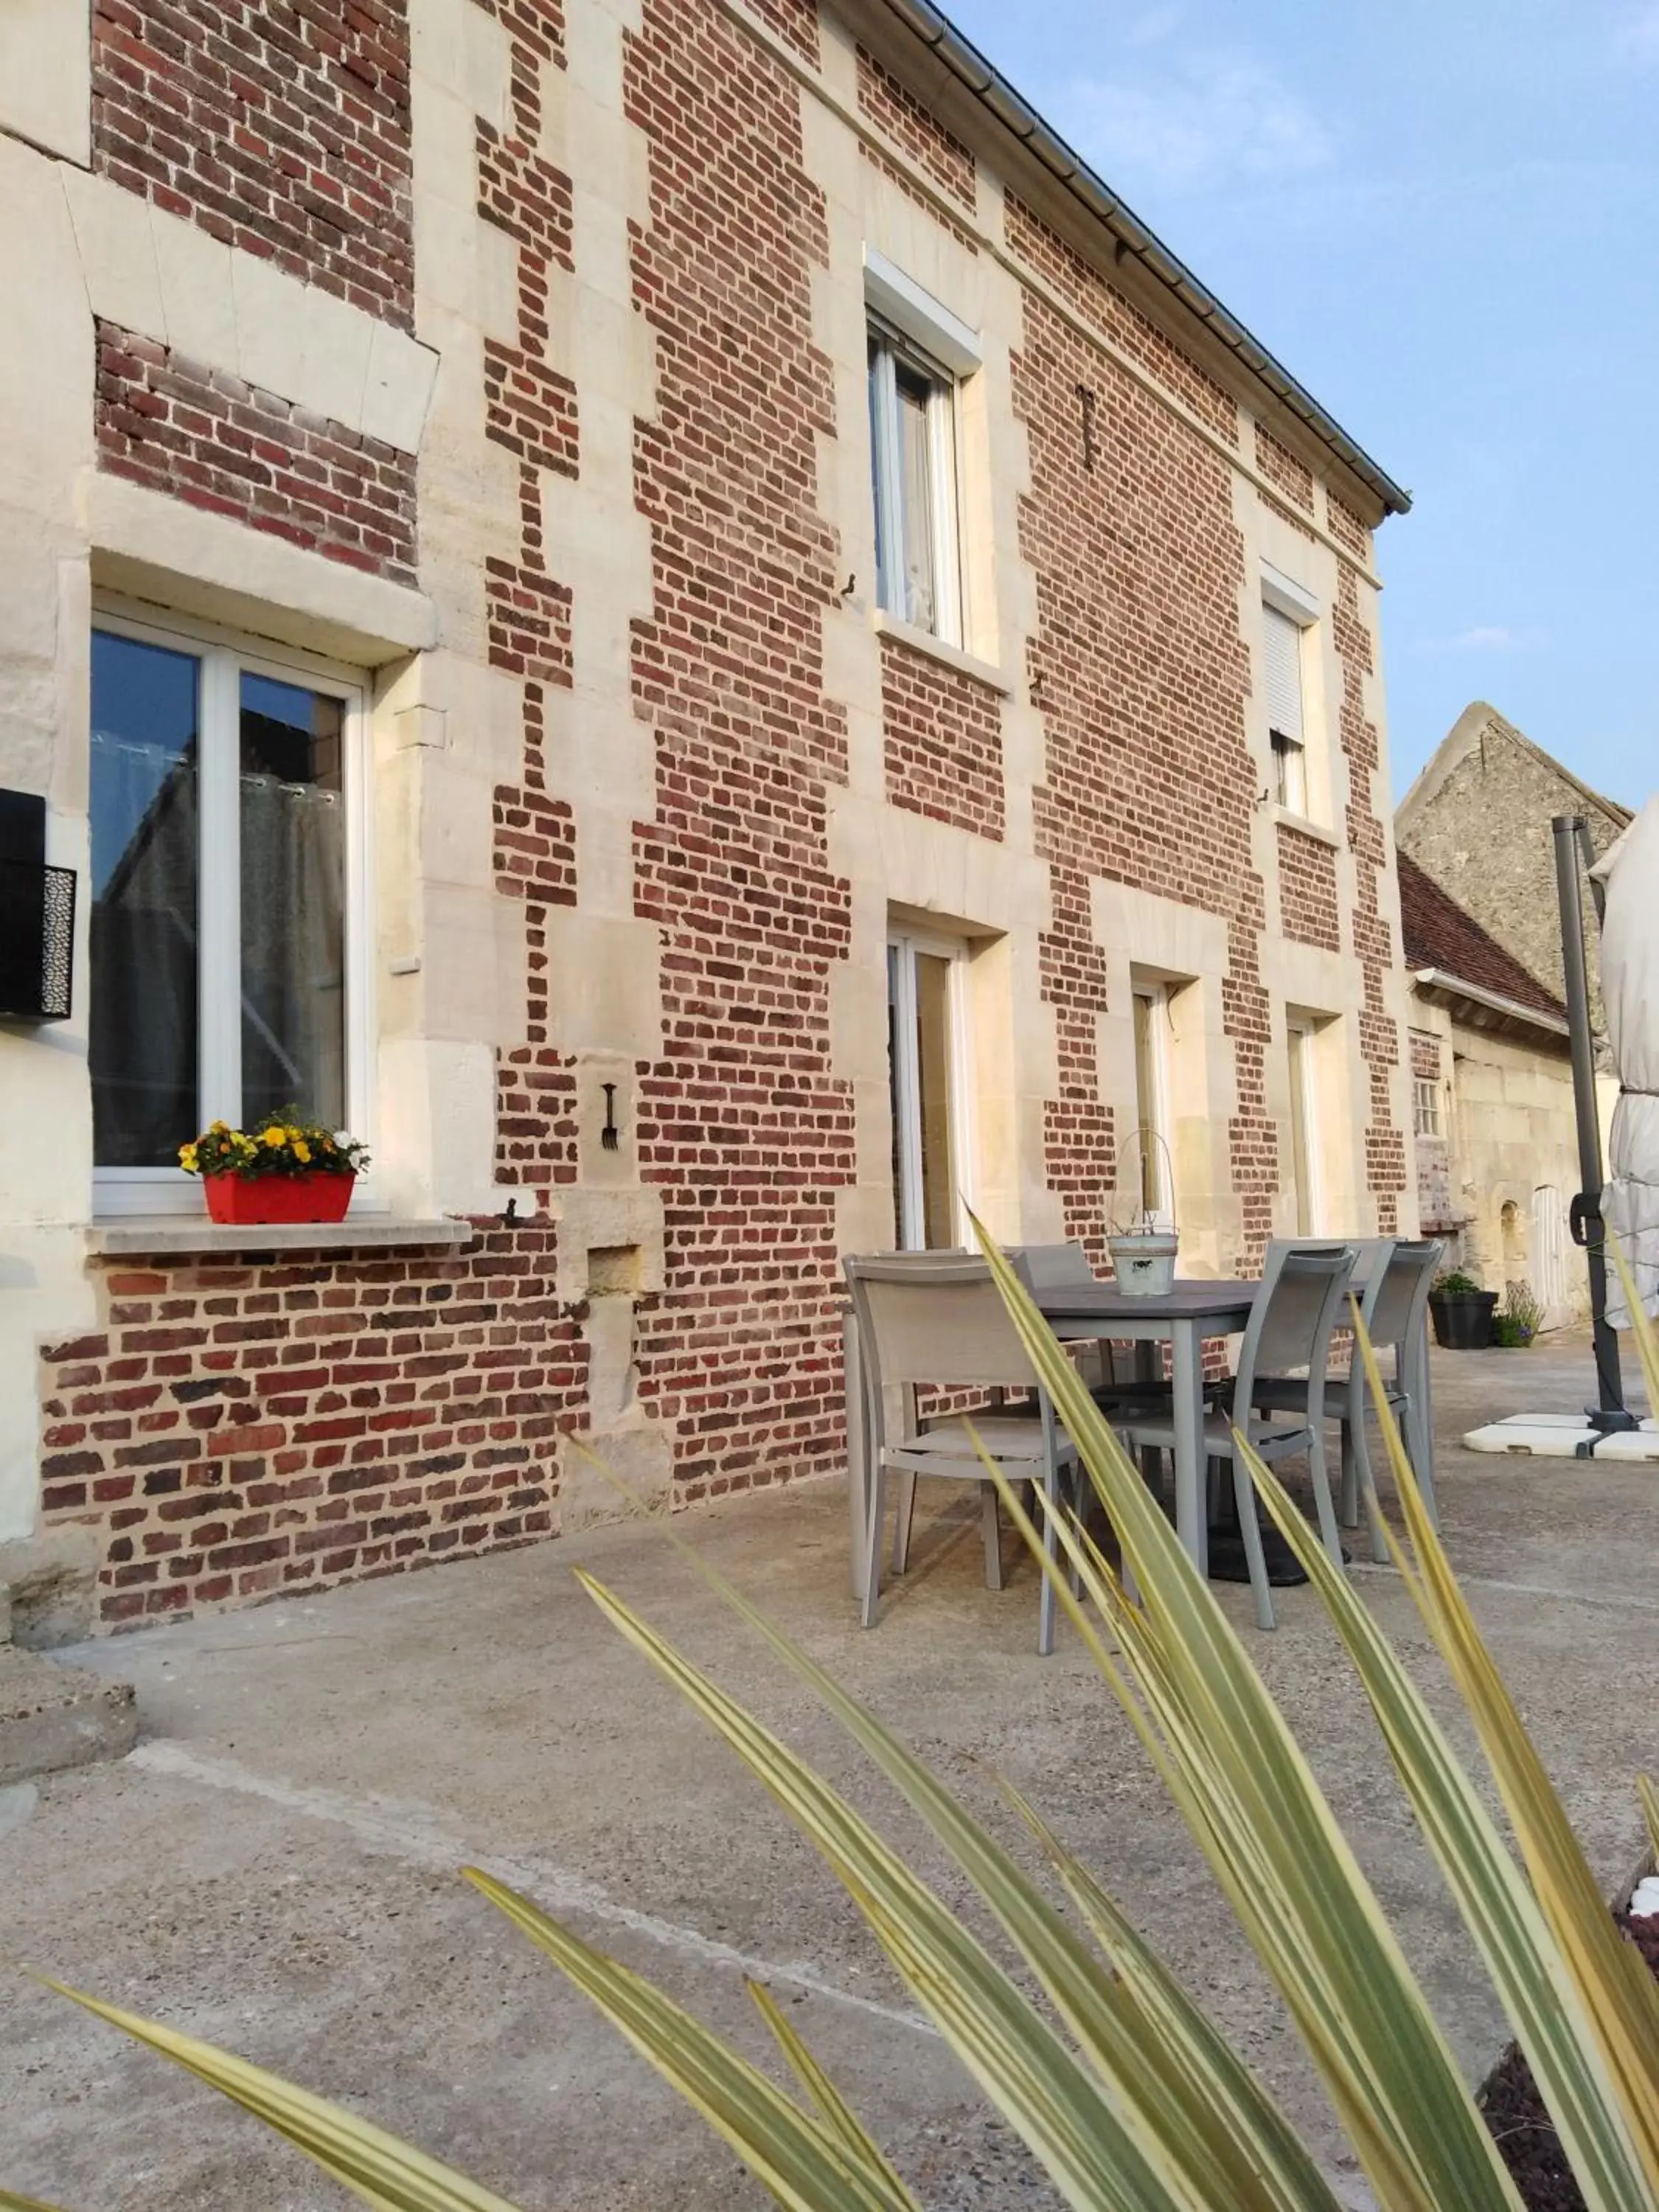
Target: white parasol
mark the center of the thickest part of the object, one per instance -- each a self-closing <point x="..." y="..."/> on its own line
<point x="1630" y="995"/>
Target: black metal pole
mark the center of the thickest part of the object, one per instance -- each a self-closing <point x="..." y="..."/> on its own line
<point x="1608" y="1412"/>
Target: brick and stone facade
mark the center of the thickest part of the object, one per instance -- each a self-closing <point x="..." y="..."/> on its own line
<point x="510" y="360"/>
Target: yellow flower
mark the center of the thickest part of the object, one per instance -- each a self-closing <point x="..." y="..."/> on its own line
<point x="273" y="1136"/>
<point x="219" y="1128"/>
<point x="187" y="1158"/>
<point x="302" y="1150"/>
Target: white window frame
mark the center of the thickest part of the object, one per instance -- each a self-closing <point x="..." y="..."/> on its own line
<point x="1300" y="1068"/>
<point x="944" y="467"/>
<point x="1157" y="997"/>
<point x="224" y="654"/>
<point x="1425" y="1107"/>
<point x="910" y="1228"/>
<point x="1291" y="786"/>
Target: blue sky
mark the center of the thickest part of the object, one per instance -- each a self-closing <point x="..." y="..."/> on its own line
<point x="1443" y="220"/>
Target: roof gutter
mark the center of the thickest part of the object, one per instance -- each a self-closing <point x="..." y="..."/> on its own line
<point x="965" y="62"/>
<point x="1439" y="979"/>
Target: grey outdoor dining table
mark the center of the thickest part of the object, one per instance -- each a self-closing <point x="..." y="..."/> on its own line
<point x="1182" y="1318"/>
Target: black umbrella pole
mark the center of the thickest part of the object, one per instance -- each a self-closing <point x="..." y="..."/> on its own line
<point x="1608" y="1412"/>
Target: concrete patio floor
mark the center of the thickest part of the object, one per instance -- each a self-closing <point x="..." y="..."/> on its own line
<point x="273" y="1867"/>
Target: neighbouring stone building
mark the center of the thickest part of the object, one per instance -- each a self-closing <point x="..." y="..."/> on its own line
<point x="1492" y="1118"/>
<point x="1477" y="820"/>
<point x="668" y="610"/>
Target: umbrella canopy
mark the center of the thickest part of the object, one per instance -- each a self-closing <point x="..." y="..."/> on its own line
<point x="1630" y="995"/>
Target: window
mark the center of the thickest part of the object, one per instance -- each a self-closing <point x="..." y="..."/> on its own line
<point x="913" y="446"/>
<point x="1283" y="672"/>
<point x="1151" y="1019"/>
<point x="1425" y="1106"/>
<point x="923" y="1040"/>
<point x="1304" y="1164"/>
<point x="225" y="873"/>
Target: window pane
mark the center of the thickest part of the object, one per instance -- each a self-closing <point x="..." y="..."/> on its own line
<point x="1301" y="1162"/>
<point x="293" y="852"/>
<point x="934" y="1083"/>
<point x="916" y="447"/>
<point x="1147" y="1103"/>
<point x="902" y="1133"/>
<point x="1289" y="775"/>
<point x="144" y="860"/>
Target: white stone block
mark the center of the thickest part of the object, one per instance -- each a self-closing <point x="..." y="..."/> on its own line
<point x="46" y="77"/>
<point x="199" y="300"/>
<point x="398" y="388"/>
<point x="117" y="256"/>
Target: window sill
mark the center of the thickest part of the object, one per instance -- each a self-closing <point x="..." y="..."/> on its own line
<point x="923" y="641"/>
<point x="1287" y="818"/>
<point x="179" y="1232"/>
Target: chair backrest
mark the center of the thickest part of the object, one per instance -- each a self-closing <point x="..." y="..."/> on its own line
<point x="933" y="1317"/>
<point x="1397" y="1294"/>
<point x="1051" y="1266"/>
<point x="1295" y="1310"/>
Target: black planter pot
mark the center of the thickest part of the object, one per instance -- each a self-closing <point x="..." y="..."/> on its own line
<point x="1462" y="1322"/>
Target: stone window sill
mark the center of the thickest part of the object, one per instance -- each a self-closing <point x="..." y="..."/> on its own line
<point x="923" y="641"/>
<point x="1288" y="819"/>
<point x="159" y="1233"/>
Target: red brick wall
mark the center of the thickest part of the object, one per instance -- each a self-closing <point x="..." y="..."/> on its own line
<point x="942" y="733"/>
<point x="204" y="436"/>
<point x="895" y="109"/>
<point x="1088" y="292"/>
<point x="1280" y="466"/>
<point x="1308" y="907"/>
<point x="281" y="126"/>
<point x="797" y="21"/>
<point x="1346" y="526"/>
<point x="1141" y="677"/>
<point x="741" y="1125"/>
<point x="1373" y="937"/>
<point x="268" y="1425"/>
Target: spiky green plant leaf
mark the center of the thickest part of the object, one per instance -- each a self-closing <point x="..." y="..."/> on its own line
<point x="389" y="2174"/>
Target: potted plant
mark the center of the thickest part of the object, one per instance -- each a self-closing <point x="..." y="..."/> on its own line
<point x="286" y="1169"/>
<point x="1514" y="1328"/>
<point x="1462" y="1312"/>
<point x="1144" y="1253"/>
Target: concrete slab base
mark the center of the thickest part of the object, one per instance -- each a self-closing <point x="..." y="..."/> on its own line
<point x="52" y="1717"/>
<point x="1564" y="1436"/>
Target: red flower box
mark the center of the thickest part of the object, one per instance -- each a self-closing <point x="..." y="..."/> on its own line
<point x="252" y="1199"/>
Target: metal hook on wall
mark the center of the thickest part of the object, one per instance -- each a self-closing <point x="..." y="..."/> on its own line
<point x="610" y="1136"/>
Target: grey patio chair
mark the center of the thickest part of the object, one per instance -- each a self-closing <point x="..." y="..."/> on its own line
<point x="1394" y="1300"/>
<point x="1052" y="1267"/>
<point x="924" y="1318"/>
<point x="1295" y="1311"/>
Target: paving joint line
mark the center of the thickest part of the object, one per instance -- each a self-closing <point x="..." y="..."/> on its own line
<point x="419" y="1837"/>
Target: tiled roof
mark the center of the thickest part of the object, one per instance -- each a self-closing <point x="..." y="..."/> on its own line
<point x="1439" y="933"/>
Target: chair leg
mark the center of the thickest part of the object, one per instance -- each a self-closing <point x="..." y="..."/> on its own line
<point x="1419" y="1449"/>
<point x="1347" y="1507"/>
<point x="1244" y="1493"/>
<point x="991" y="1525"/>
<point x="1322" y="1489"/>
<point x="903" y="1517"/>
<point x="1051" y="1547"/>
<point x="1366" y="1486"/>
<point x="872" y="1543"/>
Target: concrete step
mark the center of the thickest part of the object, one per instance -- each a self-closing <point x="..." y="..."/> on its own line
<point x="52" y="1716"/>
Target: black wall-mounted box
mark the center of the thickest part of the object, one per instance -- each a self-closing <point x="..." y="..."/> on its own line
<point x="37" y="917"/>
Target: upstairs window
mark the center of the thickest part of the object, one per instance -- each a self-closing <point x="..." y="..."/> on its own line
<point x="227" y="893"/>
<point x="1285" y="720"/>
<point x="913" y="444"/>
